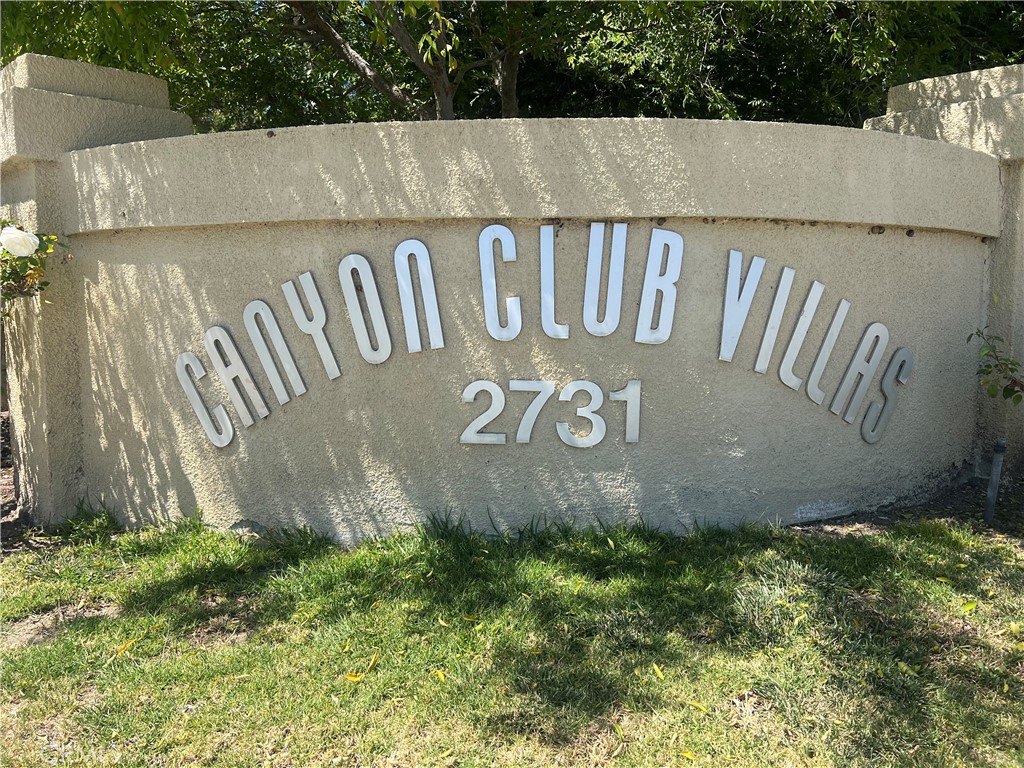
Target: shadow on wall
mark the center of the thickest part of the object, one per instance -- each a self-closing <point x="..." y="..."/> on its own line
<point x="338" y="461"/>
<point x="23" y="362"/>
<point x="988" y="125"/>
<point x="993" y="83"/>
<point x="389" y="171"/>
<point x="149" y="295"/>
<point x="129" y="439"/>
<point x="45" y="397"/>
<point x="321" y="460"/>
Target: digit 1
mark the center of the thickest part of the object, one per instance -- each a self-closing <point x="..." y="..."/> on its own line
<point x="631" y="394"/>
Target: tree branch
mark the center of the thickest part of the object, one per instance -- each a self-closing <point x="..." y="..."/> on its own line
<point x="401" y="34"/>
<point x="465" y="69"/>
<point x="326" y="31"/>
<point x="436" y="74"/>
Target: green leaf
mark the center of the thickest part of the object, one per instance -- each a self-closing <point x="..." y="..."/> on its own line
<point x="906" y="669"/>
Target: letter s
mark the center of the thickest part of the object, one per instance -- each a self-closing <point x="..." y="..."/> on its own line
<point x="877" y="418"/>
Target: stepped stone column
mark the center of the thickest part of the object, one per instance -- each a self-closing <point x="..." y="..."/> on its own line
<point x="50" y="106"/>
<point x="984" y="111"/>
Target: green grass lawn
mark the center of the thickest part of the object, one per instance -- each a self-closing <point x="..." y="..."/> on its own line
<point x="754" y="647"/>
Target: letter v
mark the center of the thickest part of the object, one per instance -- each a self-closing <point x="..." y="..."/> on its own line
<point x="737" y="301"/>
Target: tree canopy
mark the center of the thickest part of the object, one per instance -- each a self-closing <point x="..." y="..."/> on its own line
<point x="259" y="64"/>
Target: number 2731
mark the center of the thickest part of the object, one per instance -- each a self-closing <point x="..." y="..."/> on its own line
<point x="543" y="390"/>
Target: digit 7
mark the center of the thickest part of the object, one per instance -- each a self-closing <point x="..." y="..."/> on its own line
<point x="544" y="390"/>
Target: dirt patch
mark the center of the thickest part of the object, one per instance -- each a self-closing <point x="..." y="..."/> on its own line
<point x="752" y="714"/>
<point x="16" y="533"/>
<point x="600" y="744"/>
<point x="8" y="499"/>
<point x="35" y="630"/>
<point x="964" y="504"/>
<point x="224" y="630"/>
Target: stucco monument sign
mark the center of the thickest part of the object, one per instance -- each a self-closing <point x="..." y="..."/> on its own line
<point x="352" y="327"/>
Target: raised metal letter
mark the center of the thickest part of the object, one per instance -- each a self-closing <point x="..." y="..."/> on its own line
<point x="861" y="371"/>
<point x="814" y="390"/>
<point x="221" y="432"/>
<point x="878" y="416"/>
<point x="796" y="341"/>
<point x="232" y="371"/>
<point x="313" y="323"/>
<point x="552" y="328"/>
<point x="737" y="302"/>
<point x="260" y="309"/>
<point x="356" y="264"/>
<point x="655" y="282"/>
<point x="616" y="270"/>
<point x="490" y="235"/>
<point x="771" y="331"/>
<point x="417" y="250"/>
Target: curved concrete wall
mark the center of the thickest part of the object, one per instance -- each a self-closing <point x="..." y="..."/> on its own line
<point x="533" y="169"/>
<point x="745" y="249"/>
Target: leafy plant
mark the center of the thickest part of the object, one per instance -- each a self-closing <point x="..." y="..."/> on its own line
<point x="1000" y="374"/>
<point x="23" y="262"/>
<point x="257" y="64"/>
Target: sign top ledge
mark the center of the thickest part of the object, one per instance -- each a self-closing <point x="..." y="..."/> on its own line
<point x="49" y="73"/>
<point x="994" y="83"/>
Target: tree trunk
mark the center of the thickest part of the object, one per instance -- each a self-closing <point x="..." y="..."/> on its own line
<point x="506" y="81"/>
<point x="444" y="101"/>
<point x="506" y="66"/>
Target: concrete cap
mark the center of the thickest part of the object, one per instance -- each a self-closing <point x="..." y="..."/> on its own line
<point x="952" y="89"/>
<point x="534" y="169"/>
<point x="995" y="125"/>
<point x="42" y="125"/>
<point x="47" y="73"/>
<point x="49" y="106"/>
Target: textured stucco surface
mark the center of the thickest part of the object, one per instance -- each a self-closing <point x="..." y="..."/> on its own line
<point x="378" y="447"/>
<point x="46" y="401"/>
<point x="991" y="126"/>
<point x="984" y="111"/>
<point x="534" y="169"/>
<point x="41" y="125"/>
<point x="981" y="110"/>
<point x="48" y="106"/>
<point x="172" y="236"/>
<point x="993" y="83"/>
<point x="1006" y="313"/>
<point x="47" y="73"/>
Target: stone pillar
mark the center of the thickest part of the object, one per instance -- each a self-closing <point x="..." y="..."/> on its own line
<point x="50" y="106"/>
<point x="982" y="110"/>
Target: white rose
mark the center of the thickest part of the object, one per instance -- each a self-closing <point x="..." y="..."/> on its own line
<point x="18" y="243"/>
